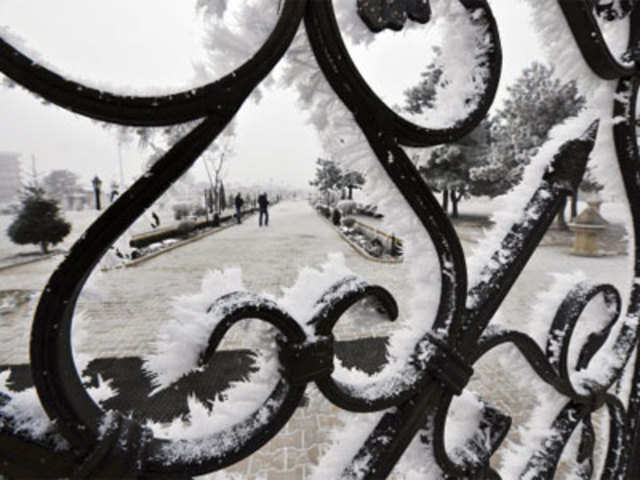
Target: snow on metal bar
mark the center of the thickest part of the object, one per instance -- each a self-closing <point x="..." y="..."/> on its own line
<point x="78" y="438"/>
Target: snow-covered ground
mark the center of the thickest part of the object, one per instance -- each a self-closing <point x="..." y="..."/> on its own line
<point x="270" y="258"/>
<point x="125" y="307"/>
<point x="123" y="310"/>
<point x="613" y="211"/>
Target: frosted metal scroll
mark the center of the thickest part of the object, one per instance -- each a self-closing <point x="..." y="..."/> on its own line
<point x="106" y="444"/>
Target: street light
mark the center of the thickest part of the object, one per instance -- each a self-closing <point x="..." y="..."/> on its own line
<point x="97" y="183"/>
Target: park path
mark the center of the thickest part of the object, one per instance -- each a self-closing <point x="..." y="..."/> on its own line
<point x="125" y="308"/>
<point x="138" y="300"/>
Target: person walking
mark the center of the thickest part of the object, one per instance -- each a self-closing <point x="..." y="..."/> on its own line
<point x="263" y="203"/>
<point x="239" y="202"/>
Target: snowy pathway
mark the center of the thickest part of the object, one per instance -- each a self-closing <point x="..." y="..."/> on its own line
<point x="124" y="310"/>
<point x="125" y="307"/>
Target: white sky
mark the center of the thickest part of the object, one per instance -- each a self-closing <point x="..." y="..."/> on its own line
<point x="147" y="43"/>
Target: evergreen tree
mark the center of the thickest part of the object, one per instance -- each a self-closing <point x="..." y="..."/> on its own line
<point x="536" y="102"/>
<point x="330" y="177"/>
<point x="422" y="96"/>
<point x="351" y="180"/>
<point x="38" y="221"/>
<point x="492" y="158"/>
<point x="448" y="168"/>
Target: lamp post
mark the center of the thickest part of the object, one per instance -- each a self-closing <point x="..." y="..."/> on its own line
<point x="97" y="183"/>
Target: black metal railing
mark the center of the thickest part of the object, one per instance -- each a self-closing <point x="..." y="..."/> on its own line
<point x="106" y="444"/>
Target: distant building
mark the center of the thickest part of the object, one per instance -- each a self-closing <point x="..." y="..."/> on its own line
<point x="10" y="179"/>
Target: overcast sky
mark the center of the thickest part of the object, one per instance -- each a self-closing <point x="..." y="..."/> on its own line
<point x="147" y="43"/>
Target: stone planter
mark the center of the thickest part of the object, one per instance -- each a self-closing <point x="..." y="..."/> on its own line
<point x="587" y="227"/>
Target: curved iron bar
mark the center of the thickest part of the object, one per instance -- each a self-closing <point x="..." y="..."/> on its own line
<point x="384" y="137"/>
<point x="107" y="443"/>
<point x="216" y="99"/>
<point x="493" y="427"/>
<point x="564" y="324"/>
<point x="355" y="92"/>
<point x="330" y="307"/>
<point x="61" y="392"/>
<point x="497" y="277"/>
<point x="544" y="461"/>
<point x="561" y="179"/>
<point x="624" y="133"/>
<point x="584" y="26"/>
<point x="242" y="439"/>
<point x="552" y="367"/>
<point x="57" y="382"/>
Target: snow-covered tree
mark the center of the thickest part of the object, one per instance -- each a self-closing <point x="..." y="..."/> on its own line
<point x="59" y="183"/>
<point x="491" y="159"/>
<point x="330" y="177"/>
<point x="422" y="96"/>
<point x="38" y="221"/>
<point x="214" y="163"/>
<point x="536" y="102"/>
<point x="449" y="168"/>
<point x="351" y="180"/>
<point x="222" y="197"/>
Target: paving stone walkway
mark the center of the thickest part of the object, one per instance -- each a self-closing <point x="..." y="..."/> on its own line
<point x="124" y="309"/>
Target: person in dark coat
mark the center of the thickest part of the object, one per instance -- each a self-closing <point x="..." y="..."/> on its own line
<point x="239" y="202"/>
<point x="263" y="203"/>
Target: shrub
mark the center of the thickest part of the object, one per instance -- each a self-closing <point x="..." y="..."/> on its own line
<point x="348" y="222"/>
<point x="38" y="221"/>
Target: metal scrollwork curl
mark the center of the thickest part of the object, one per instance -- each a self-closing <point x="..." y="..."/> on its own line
<point x="105" y="443"/>
<point x="552" y="366"/>
<point x="582" y="21"/>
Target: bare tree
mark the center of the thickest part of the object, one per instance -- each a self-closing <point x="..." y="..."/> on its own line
<point x="59" y="183"/>
<point x="214" y="162"/>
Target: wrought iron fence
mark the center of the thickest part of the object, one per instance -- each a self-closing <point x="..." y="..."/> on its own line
<point x="106" y="444"/>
